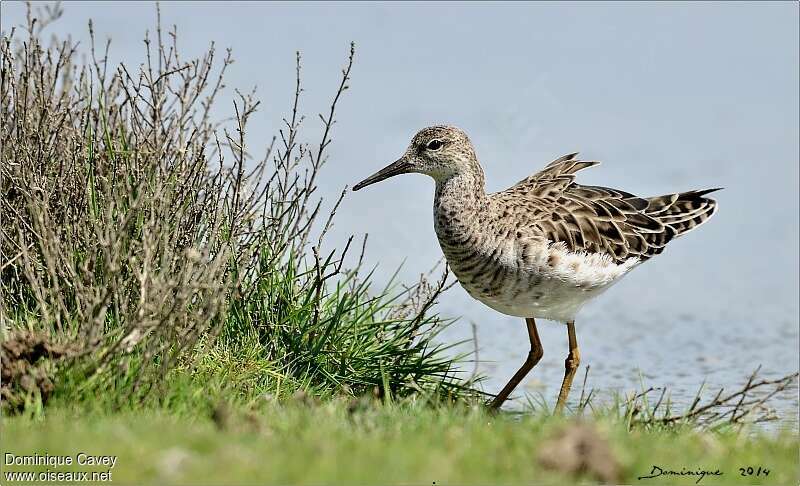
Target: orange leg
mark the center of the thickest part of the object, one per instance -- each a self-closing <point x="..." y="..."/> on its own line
<point x="534" y="356"/>
<point x="571" y="367"/>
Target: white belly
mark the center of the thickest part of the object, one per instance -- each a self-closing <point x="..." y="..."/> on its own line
<point x="556" y="284"/>
<point x="551" y="299"/>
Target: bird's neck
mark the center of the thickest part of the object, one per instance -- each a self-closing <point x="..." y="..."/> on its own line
<point x="459" y="212"/>
<point x="461" y="193"/>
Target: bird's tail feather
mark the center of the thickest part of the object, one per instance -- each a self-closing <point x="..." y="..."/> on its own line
<point x="683" y="211"/>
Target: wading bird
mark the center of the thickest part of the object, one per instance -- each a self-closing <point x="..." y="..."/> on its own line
<point x="546" y="245"/>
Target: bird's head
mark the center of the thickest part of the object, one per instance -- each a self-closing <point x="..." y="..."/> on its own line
<point x="439" y="151"/>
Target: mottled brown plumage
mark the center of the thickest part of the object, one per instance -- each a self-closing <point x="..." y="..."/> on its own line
<point x="603" y="220"/>
<point x="546" y="245"/>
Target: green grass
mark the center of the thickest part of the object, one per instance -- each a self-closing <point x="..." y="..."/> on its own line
<point x="336" y="442"/>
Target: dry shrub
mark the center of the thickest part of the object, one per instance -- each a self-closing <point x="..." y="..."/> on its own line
<point x="129" y="216"/>
<point x="139" y="228"/>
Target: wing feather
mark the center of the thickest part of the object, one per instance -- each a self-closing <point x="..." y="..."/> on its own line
<point x="601" y="219"/>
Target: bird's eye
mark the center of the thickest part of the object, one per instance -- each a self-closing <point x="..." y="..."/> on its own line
<point x="434" y="144"/>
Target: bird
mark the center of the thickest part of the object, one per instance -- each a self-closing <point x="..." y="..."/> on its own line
<point x="545" y="246"/>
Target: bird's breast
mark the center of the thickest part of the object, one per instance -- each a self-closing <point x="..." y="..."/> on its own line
<point x="486" y="264"/>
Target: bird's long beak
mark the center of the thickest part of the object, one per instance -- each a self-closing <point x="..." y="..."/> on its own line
<point x="400" y="166"/>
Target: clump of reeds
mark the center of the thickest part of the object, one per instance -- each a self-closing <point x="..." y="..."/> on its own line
<point x="139" y="227"/>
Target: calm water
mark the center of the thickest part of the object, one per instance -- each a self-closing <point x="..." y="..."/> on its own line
<point x="628" y="348"/>
<point x="669" y="96"/>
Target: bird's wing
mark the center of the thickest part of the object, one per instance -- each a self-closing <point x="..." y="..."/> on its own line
<point x="604" y="220"/>
<point x="556" y="176"/>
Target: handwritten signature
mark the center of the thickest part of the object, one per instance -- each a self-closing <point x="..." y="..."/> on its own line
<point x="657" y="471"/>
